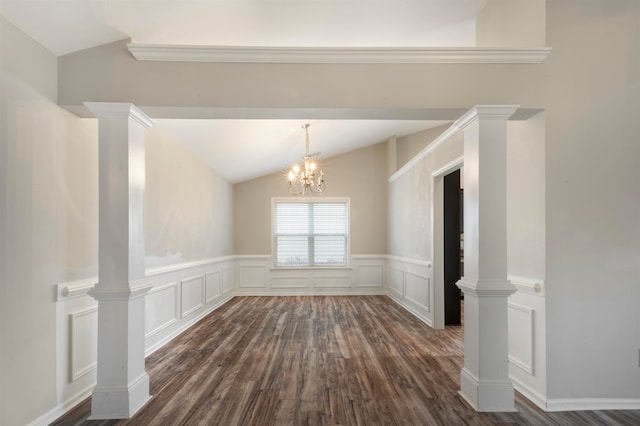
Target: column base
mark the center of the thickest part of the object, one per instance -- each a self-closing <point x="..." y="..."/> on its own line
<point x="120" y="402"/>
<point x="484" y="395"/>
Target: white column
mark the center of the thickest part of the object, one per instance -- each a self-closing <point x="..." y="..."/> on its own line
<point x="484" y="380"/>
<point x="123" y="384"/>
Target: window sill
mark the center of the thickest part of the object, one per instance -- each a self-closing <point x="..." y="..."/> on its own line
<point x="311" y="268"/>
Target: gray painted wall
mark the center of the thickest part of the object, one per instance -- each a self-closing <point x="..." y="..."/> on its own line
<point x="360" y="175"/>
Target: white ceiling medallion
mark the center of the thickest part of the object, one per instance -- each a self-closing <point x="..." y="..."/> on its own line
<point x="339" y="55"/>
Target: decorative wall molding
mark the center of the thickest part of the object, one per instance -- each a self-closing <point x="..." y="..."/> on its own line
<point x="417" y="290"/>
<point x="442" y="138"/>
<point x="521" y="339"/>
<point x="529" y="393"/>
<point x="63" y="407"/>
<point x="395" y="281"/>
<point x="177" y="267"/>
<point x="71" y="289"/>
<point x="213" y="286"/>
<point x="257" y="277"/>
<point x="157" y="315"/>
<point x="332" y="281"/>
<point x="292" y="281"/>
<point x="252" y="275"/>
<point x="84" y="342"/>
<point x="528" y="285"/>
<point x="227" y="280"/>
<point x="339" y="55"/>
<point x="409" y="285"/>
<point x="191" y="295"/>
<point x="370" y="276"/>
<point x="408" y="260"/>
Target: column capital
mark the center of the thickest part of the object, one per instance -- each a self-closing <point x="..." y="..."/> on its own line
<point x="119" y="110"/>
<point x="485" y="112"/>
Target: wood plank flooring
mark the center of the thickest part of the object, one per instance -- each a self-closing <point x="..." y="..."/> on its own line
<point x="319" y="360"/>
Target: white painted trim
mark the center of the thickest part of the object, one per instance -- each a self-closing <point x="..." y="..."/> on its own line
<point x="176" y="306"/>
<point x="529" y="393"/>
<point x="71" y="289"/>
<point x="62" y="408"/>
<point x="318" y="279"/>
<point x="523" y="365"/>
<point x="591" y="404"/>
<point x="77" y="372"/>
<point x="443" y="137"/>
<point x="412" y="311"/>
<point x="161" y="270"/>
<point x="400" y="272"/>
<point x="252" y="257"/>
<point x="252" y="266"/>
<point x="151" y="349"/>
<point x="486" y="112"/>
<point x="218" y="272"/>
<point x="450" y="167"/>
<point x="528" y="285"/>
<point x="278" y="282"/>
<point x="120" y="110"/>
<point x="334" y="291"/>
<point x="369" y="257"/>
<point x="339" y="55"/>
<point x="200" y="278"/>
<point x="409" y="260"/>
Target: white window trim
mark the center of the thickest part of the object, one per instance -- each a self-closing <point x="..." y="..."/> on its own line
<point x="346" y="200"/>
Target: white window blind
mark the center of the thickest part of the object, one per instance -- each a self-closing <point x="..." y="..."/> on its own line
<point x="310" y="233"/>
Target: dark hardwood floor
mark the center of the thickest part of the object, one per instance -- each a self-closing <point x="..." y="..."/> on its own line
<point x="319" y="360"/>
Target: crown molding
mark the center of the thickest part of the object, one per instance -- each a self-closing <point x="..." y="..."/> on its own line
<point x="339" y="55"/>
<point x="119" y="110"/>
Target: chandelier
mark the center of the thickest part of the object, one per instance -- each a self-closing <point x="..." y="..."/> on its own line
<point x="308" y="179"/>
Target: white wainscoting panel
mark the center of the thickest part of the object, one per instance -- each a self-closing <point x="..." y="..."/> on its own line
<point x="527" y="339"/>
<point x="256" y="276"/>
<point x="213" y="286"/>
<point x="180" y="295"/>
<point x="370" y="276"/>
<point x="396" y="282"/>
<point x="332" y="281"/>
<point x="521" y="337"/>
<point x="191" y="295"/>
<point x="409" y="284"/>
<point x="252" y="276"/>
<point x="227" y="280"/>
<point x="84" y="342"/>
<point x="161" y="308"/>
<point x="417" y="289"/>
<point x="289" y="281"/>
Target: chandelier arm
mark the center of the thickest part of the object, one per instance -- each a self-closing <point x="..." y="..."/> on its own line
<point x="305" y="180"/>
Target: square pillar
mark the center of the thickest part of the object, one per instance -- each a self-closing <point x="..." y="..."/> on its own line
<point x="123" y="384"/>
<point x="484" y="380"/>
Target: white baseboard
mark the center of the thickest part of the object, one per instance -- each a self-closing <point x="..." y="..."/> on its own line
<point x="166" y="339"/>
<point x="529" y="393"/>
<point x="412" y="311"/>
<point x="60" y="409"/>
<point x="328" y="292"/>
<point x="590" y="404"/>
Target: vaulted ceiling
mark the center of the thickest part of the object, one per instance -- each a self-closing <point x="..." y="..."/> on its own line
<point x="243" y="149"/>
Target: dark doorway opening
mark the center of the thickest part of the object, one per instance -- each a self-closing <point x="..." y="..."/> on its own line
<point x="453" y="256"/>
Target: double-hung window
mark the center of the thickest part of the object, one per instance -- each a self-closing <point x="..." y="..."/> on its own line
<point x="310" y="232"/>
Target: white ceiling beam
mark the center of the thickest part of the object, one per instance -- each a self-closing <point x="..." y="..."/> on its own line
<point x="339" y="55"/>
